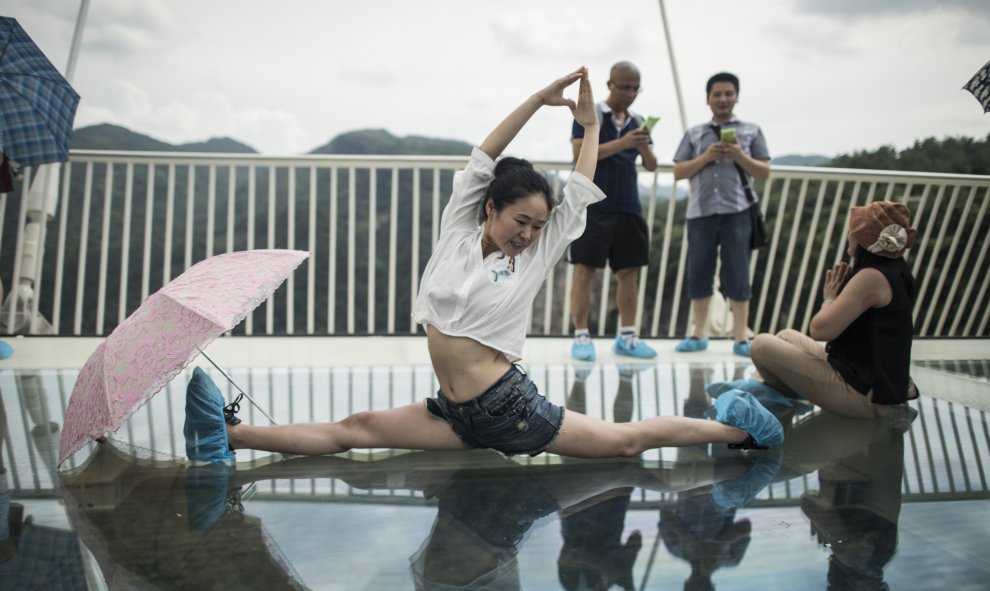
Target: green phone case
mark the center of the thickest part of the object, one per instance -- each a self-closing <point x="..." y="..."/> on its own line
<point x="649" y="123"/>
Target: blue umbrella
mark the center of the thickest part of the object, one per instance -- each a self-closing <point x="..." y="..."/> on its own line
<point x="37" y="104"/>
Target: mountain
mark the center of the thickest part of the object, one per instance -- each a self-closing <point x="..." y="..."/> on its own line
<point x="106" y="136"/>
<point x="221" y="145"/>
<point x="379" y="141"/>
<point x="799" y="160"/>
<point x="366" y="141"/>
<point x="113" y="137"/>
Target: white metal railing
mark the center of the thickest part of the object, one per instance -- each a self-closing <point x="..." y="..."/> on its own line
<point x="128" y="222"/>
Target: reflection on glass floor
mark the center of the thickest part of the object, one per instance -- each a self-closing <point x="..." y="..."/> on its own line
<point x="904" y="500"/>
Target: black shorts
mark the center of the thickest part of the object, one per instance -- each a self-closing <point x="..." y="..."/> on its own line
<point x="621" y="239"/>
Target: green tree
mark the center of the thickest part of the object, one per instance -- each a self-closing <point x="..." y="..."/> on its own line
<point x="959" y="155"/>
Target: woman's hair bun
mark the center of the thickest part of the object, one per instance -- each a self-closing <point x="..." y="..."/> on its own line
<point x="511" y="163"/>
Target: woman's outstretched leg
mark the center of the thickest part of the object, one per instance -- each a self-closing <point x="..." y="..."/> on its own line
<point x="582" y="436"/>
<point x="405" y="427"/>
<point x="210" y="437"/>
<point x="587" y="437"/>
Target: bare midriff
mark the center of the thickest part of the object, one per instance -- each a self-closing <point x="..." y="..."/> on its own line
<point x="464" y="367"/>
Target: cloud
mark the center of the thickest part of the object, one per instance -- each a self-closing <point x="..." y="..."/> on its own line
<point x="969" y="19"/>
<point x="121" y="27"/>
<point x="552" y="33"/>
<point x="184" y="120"/>
<point x="812" y="39"/>
<point x="286" y="81"/>
<point x="854" y="9"/>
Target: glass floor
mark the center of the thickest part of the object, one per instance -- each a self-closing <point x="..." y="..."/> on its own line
<point x="842" y="504"/>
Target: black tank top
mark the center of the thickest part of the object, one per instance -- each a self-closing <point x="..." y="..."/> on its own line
<point x="875" y="350"/>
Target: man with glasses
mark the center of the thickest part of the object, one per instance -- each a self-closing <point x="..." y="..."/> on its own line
<point x="615" y="231"/>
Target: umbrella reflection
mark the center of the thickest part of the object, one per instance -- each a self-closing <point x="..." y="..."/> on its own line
<point x="154" y="523"/>
<point x="34" y="556"/>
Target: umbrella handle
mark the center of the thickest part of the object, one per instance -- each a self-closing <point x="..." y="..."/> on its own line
<point x="243" y="393"/>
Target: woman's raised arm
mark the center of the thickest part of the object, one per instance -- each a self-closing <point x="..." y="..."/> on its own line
<point x="552" y="95"/>
<point x="586" y="115"/>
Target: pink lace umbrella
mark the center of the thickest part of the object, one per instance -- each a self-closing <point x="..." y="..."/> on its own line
<point x="149" y="348"/>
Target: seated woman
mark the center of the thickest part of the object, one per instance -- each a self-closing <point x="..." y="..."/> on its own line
<point x="865" y="320"/>
<point x="475" y="298"/>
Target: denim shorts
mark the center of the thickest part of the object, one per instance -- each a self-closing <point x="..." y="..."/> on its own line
<point x="511" y="416"/>
<point x="727" y="236"/>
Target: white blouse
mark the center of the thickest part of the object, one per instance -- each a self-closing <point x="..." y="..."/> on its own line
<point x="489" y="299"/>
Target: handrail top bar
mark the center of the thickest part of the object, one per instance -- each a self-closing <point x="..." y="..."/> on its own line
<point x="411" y="161"/>
<point x="227" y="158"/>
<point x="863" y="173"/>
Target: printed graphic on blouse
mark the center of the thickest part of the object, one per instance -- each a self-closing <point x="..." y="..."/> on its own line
<point x="503" y="271"/>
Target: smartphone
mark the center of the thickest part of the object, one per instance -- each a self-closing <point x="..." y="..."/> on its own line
<point x="649" y="123"/>
<point x="729" y="135"/>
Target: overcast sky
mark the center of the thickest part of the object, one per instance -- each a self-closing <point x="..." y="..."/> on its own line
<point x="820" y="76"/>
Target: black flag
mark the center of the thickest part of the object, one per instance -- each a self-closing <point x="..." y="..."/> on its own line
<point x="979" y="85"/>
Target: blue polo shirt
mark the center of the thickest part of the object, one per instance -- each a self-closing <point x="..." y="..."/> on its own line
<point x="716" y="189"/>
<point x="616" y="175"/>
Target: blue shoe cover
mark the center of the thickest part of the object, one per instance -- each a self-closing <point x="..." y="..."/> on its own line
<point x="768" y="396"/>
<point x="741" y="349"/>
<point x="583" y="351"/>
<point x="740" y="409"/>
<point x="632" y="348"/>
<point x="692" y="345"/>
<point x="5" y="350"/>
<point x="206" y="495"/>
<point x="205" y="429"/>
<point x="740" y="492"/>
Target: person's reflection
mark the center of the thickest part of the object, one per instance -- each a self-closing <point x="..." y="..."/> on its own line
<point x="184" y="526"/>
<point x="705" y="534"/>
<point x="700" y="526"/>
<point x="593" y="555"/>
<point x="486" y="505"/>
<point x="855" y="511"/>
<point x="622" y="407"/>
<point x="479" y="526"/>
<point x="44" y="431"/>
